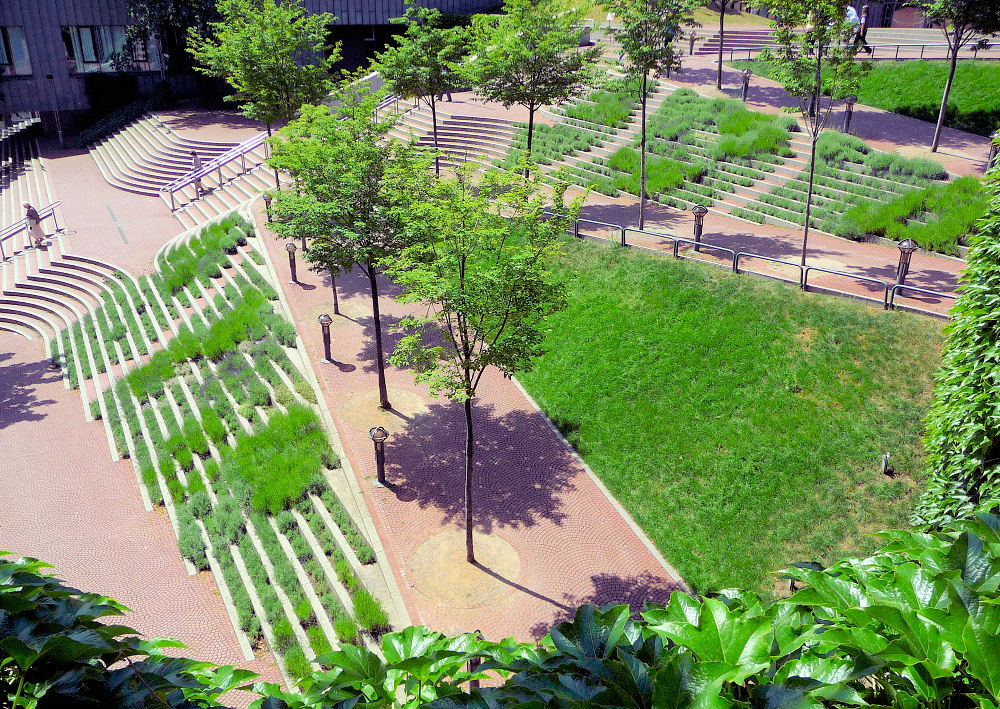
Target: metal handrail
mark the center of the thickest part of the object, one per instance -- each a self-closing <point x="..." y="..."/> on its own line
<point x="216" y="163"/>
<point x="8" y="232"/>
<point x="750" y="254"/>
<point x="619" y="227"/>
<point x="658" y="234"/>
<point x="874" y="47"/>
<point x="868" y="279"/>
<point x="698" y="245"/>
<point x="891" y="305"/>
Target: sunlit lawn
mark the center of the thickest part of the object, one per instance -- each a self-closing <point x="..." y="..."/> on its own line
<point x="738" y="420"/>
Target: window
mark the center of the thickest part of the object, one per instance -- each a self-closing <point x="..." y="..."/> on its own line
<point x="94" y="48"/>
<point x="14" y="52"/>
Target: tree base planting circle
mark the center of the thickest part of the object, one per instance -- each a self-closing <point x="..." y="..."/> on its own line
<point x="439" y="569"/>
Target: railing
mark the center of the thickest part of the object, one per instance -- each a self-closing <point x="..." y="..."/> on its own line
<point x="215" y="164"/>
<point x="17" y="227"/>
<point x="750" y="51"/>
<point x="733" y="259"/>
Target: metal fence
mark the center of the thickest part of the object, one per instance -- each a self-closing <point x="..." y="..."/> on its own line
<point x="17" y="227"/>
<point x="737" y="262"/>
<point x="883" y="50"/>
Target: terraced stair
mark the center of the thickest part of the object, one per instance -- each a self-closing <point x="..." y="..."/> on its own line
<point x="145" y="155"/>
<point x="461" y="138"/>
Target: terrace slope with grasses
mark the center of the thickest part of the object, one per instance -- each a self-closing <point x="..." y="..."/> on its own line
<point x="738" y="421"/>
<point x="200" y="390"/>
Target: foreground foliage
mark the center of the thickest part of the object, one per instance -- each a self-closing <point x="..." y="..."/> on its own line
<point x="917" y="624"/>
<point x="762" y="411"/>
<point x="963" y="429"/>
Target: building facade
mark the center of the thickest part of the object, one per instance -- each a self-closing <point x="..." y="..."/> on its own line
<point x="49" y="48"/>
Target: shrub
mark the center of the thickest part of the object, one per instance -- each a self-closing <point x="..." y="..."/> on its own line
<point x="176" y="490"/>
<point x="227" y="521"/>
<point x="195" y="483"/>
<point x="152" y="485"/>
<point x="185" y="459"/>
<point x="190" y="543"/>
<point x="211" y="470"/>
<point x="284" y="638"/>
<point x="345" y="627"/>
<point x="284" y="331"/>
<point x="285" y="521"/>
<point x="213" y="425"/>
<point x="297" y="664"/>
<point x="194" y="437"/>
<point x="369" y="612"/>
<point x="200" y="503"/>
<point x="304" y="612"/>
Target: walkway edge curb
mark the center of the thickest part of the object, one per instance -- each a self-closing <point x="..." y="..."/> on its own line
<point x="643" y="537"/>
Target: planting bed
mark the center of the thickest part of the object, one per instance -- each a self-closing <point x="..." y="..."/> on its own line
<point x="859" y="191"/>
<point x="197" y="387"/>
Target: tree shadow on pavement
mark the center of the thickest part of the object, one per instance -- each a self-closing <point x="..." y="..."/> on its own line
<point x="634" y="591"/>
<point x="521" y="469"/>
<point x="18" y="381"/>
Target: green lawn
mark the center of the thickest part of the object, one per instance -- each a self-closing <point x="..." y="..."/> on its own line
<point x="914" y="88"/>
<point x="739" y="421"/>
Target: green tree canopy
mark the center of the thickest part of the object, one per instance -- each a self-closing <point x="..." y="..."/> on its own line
<point x="647" y="31"/>
<point x="351" y="188"/>
<point x="805" y="61"/>
<point x="529" y="56"/>
<point x="424" y="62"/>
<point x="479" y="254"/>
<point x="271" y="52"/>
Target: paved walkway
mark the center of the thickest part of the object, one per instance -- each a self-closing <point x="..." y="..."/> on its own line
<point x="62" y="500"/>
<point x="556" y="540"/>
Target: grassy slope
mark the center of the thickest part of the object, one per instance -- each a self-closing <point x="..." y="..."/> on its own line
<point x="914" y="88"/>
<point x="739" y="421"/>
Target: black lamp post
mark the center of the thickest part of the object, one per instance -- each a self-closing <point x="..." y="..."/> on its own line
<point x="700" y="211"/>
<point x="267" y="205"/>
<point x="290" y="247"/>
<point x="994" y="149"/>
<point x="324" y="321"/>
<point x="378" y="436"/>
<point x="906" y="249"/>
<point x="746" y="85"/>
<point x="849" y="102"/>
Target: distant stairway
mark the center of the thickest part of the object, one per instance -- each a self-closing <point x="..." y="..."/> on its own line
<point x="461" y="139"/>
<point x="146" y="155"/>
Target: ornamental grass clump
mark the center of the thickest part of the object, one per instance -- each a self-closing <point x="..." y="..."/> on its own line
<point x="278" y="462"/>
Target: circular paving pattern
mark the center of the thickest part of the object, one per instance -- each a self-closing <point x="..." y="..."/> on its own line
<point x="361" y="409"/>
<point x="439" y="569"/>
<point x="352" y="313"/>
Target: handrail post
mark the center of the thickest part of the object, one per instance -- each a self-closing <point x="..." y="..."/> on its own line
<point x="736" y="258"/>
<point x="676" y="245"/>
<point x="623" y="237"/>
<point x="243" y="161"/>
<point x="576" y="229"/>
<point x="805" y="278"/>
<point x="172" y="207"/>
<point x="2" y="254"/>
<point x="55" y="219"/>
<point x="897" y="52"/>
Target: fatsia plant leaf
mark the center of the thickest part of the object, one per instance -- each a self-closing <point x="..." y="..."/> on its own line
<point x="982" y="655"/>
<point x="593" y="632"/>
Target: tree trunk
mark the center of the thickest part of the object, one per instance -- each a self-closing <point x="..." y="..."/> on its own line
<point x="470" y="555"/>
<point x="809" y="194"/>
<point x="531" y="130"/>
<point x="722" y="37"/>
<point x="277" y="181"/>
<point x="333" y="284"/>
<point x="383" y="393"/>
<point x="944" y="99"/>
<point x="434" y="129"/>
<point x="642" y="160"/>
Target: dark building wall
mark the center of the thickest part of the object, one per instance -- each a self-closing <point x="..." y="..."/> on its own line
<point x="378" y="12"/>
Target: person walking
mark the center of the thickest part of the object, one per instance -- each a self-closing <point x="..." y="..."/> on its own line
<point x="35" y="230"/>
<point x="861" y="37"/>
<point x="196" y="161"/>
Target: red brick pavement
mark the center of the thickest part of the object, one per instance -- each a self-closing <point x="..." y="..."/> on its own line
<point x="573" y="545"/>
<point x="62" y="500"/>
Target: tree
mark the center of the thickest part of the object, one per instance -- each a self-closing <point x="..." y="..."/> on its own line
<point x="257" y="47"/>
<point x="423" y="64"/>
<point x="168" y="20"/>
<point x="722" y="37"/>
<point x="350" y="184"/>
<point x="479" y="256"/>
<point x="647" y="33"/>
<point x="529" y="56"/>
<point x="806" y="62"/>
<point x="961" y="21"/>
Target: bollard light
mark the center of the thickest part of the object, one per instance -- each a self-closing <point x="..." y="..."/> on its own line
<point x="994" y="150"/>
<point x="290" y="247"/>
<point x="324" y="321"/>
<point x="378" y="436"/>
<point x="700" y="211"/>
<point x="746" y="84"/>
<point x="267" y="205"/>
<point x="906" y="249"/>
<point x="849" y="102"/>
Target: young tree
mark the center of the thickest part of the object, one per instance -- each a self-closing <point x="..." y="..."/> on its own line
<point x="960" y="21"/>
<point x="800" y="60"/>
<point x="480" y="256"/>
<point x="423" y="63"/>
<point x="529" y="56"/>
<point x="350" y="184"/>
<point x="647" y="33"/>
<point x="259" y="47"/>
<point x="722" y="37"/>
